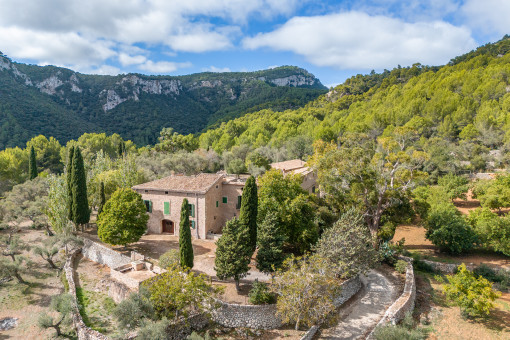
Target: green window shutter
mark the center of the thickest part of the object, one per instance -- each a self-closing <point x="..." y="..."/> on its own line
<point x="225" y="200"/>
<point x="238" y="205"/>
<point x="166" y="208"/>
<point x="192" y="224"/>
<point x="217" y="203"/>
<point x="150" y="206"/>
<point x="191" y="210"/>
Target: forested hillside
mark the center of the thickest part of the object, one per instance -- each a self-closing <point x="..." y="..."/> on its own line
<point x="464" y="104"/>
<point x="64" y="104"/>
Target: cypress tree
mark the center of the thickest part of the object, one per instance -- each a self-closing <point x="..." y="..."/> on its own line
<point x="249" y="210"/>
<point x="102" y="198"/>
<point x="32" y="164"/>
<point x="80" y="205"/>
<point x="69" y="176"/>
<point x="233" y="252"/>
<point x="185" y="246"/>
<point x="121" y="149"/>
<point x="270" y="240"/>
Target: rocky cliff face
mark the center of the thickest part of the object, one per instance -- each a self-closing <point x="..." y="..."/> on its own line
<point x="138" y="106"/>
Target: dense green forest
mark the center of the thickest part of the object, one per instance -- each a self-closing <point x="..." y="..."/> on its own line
<point x="64" y="104"/>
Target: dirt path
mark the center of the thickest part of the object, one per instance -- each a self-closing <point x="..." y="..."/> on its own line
<point x="362" y="314"/>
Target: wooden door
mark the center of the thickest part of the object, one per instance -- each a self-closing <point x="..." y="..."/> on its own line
<point x="168" y="226"/>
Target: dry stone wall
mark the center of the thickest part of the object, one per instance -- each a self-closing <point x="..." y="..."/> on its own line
<point x="103" y="255"/>
<point x="257" y="317"/>
<point x="446" y="268"/>
<point x="404" y="304"/>
<point x="83" y="332"/>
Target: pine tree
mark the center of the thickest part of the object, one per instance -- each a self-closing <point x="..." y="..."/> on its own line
<point x="270" y="240"/>
<point x="185" y="246"/>
<point x="249" y="210"/>
<point x="69" y="176"/>
<point x="233" y="252"/>
<point x="102" y="199"/>
<point x="80" y="205"/>
<point x="32" y="164"/>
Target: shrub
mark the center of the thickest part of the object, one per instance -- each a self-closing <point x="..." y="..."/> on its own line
<point x="486" y="272"/>
<point x="448" y="230"/>
<point x="154" y="330"/>
<point x="473" y="295"/>
<point x="170" y="258"/>
<point x="504" y="279"/>
<point x="389" y="251"/>
<point x="387" y="231"/>
<point x="260" y="294"/>
<point x="401" y="266"/>
<point x="405" y="330"/>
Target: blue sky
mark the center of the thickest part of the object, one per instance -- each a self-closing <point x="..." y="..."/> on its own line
<point x="332" y="39"/>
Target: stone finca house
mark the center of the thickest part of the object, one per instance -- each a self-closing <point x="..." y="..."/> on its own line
<point x="213" y="199"/>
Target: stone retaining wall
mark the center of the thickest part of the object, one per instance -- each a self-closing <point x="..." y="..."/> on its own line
<point x="83" y="332"/>
<point x="251" y="316"/>
<point x="404" y="304"/>
<point x="103" y="255"/>
<point x="119" y="291"/>
<point x="446" y="268"/>
<point x="349" y="289"/>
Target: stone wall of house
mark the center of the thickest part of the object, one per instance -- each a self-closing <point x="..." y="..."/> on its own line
<point x="83" y="332"/>
<point x="103" y="255"/>
<point x="404" y="304"/>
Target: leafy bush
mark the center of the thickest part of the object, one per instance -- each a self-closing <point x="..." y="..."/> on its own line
<point x="135" y="310"/>
<point x="401" y="266"/>
<point x="406" y="330"/>
<point x="448" y="230"/>
<point x="260" y="294"/>
<point x="387" y="231"/>
<point x="154" y="330"/>
<point x="389" y="251"/>
<point x="487" y="272"/>
<point x="473" y="295"/>
<point x="170" y="258"/>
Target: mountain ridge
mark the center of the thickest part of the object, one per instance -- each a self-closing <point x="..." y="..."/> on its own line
<point x="115" y="104"/>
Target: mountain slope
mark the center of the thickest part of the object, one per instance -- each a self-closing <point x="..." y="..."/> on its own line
<point x="59" y="102"/>
<point x="468" y="99"/>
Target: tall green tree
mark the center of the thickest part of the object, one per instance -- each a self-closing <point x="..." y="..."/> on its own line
<point x="81" y="210"/>
<point x="233" y="252"/>
<point x="270" y="240"/>
<point x="185" y="246"/>
<point x="124" y="218"/>
<point x="249" y="209"/>
<point x="69" y="179"/>
<point x="32" y="164"/>
<point x="102" y="199"/>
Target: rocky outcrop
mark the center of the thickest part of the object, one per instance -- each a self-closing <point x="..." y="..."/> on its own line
<point x="49" y="85"/>
<point x="294" y="81"/>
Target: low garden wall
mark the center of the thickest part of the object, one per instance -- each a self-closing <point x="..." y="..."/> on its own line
<point x="83" y="332"/>
<point x="103" y="255"/>
<point x="405" y="303"/>
<point x="251" y="316"/>
<point x="446" y="268"/>
<point x="349" y="289"/>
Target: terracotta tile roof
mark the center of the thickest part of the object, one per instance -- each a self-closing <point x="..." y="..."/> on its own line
<point x="289" y="165"/>
<point x="199" y="183"/>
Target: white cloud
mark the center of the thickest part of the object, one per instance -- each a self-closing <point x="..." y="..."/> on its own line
<point x="126" y="59"/>
<point x="489" y="16"/>
<point x="61" y="49"/>
<point x="216" y="69"/>
<point x="104" y="70"/>
<point x="356" y="40"/>
<point x="162" y="66"/>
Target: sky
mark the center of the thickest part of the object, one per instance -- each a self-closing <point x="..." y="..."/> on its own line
<point x="332" y="39"/>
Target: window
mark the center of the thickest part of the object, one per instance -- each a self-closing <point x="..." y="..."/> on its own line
<point x="166" y="208"/>
<point x="191" y="210"/>
<point x="148" y="205"/>
<point x="192" y="224"/>
<point x="313" y="189"/>
<point x="238" y="205"/>
<point x="146" y="191"/>
<point x="217" y="203"/>
<point x="225" y="200"/>
<point x="166" y="192"/>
